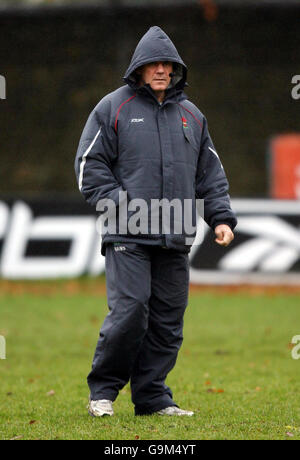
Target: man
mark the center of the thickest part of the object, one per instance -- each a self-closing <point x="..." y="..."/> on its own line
<point x="148" y="140"/>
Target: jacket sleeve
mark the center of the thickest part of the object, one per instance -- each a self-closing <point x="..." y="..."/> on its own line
<point x="95" y="156"/>
<point x="212" y="185"/>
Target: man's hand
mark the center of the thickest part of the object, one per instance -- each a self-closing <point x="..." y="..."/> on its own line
<point x="224" y="235"/>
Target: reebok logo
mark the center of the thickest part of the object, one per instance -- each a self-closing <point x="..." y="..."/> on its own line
<point x="137" y="120"/>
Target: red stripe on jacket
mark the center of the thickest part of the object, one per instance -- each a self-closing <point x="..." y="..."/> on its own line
<point x="119" y="109"/>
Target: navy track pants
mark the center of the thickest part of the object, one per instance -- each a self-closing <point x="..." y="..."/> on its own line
<point x="147" y="293"/>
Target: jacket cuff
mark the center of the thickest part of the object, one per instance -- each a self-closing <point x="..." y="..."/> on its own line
<point x="229" y="224"/>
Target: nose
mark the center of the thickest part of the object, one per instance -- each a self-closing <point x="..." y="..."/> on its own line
<point x="160" y="67"/>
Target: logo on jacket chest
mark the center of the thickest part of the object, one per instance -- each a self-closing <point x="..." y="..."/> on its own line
<point x="184" y="122"/>
<point x="137" y="120"/>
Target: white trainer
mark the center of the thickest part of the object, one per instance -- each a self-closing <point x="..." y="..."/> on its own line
<point x="100" y="408"/>
<point x="173" y="410"/>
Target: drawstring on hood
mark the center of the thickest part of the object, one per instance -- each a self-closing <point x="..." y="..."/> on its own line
<point x="155" y="46"/>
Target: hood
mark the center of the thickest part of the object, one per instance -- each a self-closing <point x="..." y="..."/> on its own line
<point x="154" y="46"/>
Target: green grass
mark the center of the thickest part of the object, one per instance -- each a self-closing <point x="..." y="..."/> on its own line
<point x="234" y="369"/>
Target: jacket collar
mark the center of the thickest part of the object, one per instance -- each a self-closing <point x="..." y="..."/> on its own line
<point x="172" y="95"/>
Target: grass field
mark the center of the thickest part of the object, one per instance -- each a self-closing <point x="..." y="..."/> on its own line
<point x="234" y="370"/>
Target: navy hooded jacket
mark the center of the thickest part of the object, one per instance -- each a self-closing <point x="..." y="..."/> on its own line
<point x="133" y="143"/>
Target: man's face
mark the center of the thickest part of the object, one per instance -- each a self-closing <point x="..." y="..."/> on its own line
<point x="156" y="74"/>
